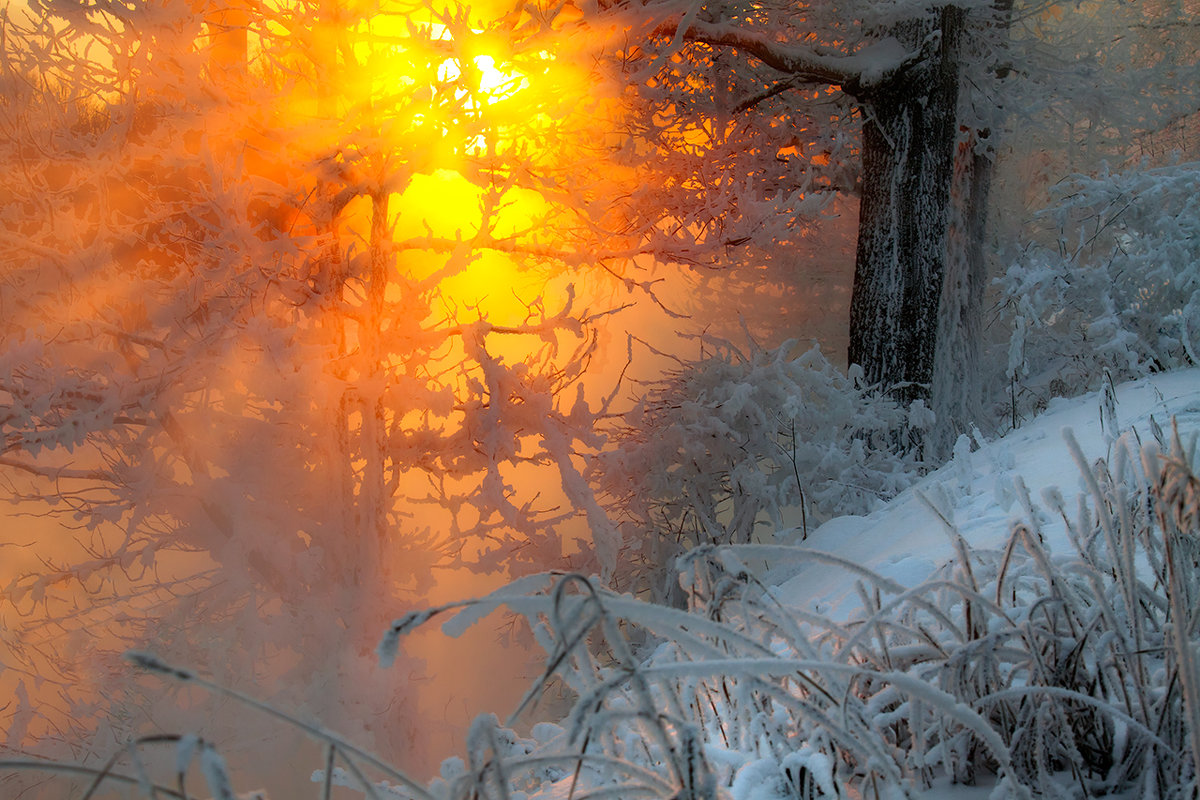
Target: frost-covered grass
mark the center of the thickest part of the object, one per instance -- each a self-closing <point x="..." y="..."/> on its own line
<point x="1057" y="675"/>
<point x="1068" y="673"/>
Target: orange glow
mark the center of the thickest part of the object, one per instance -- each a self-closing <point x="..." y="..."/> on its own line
<point x="487" y="283"/>
<point x="455" y="98"/>
<point x="333" y="219"/>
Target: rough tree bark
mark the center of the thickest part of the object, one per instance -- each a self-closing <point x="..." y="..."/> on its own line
<point x="909" y="135"/>
<point x="907" y="86"/>
<point x="957" y="374"/>
<point x="956" y="386"/>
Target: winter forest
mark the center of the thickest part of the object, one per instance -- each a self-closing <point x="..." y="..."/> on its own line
<point x="599" y="399"/>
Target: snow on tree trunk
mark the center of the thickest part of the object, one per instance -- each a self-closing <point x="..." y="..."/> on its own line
<point x="957" y="373"/>
<point x="909" y="134"/>
<point x="957" y="401"/>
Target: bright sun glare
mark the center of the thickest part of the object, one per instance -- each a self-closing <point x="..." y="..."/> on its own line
<point x="494" y="103"/>
<point x="495" y="82"/>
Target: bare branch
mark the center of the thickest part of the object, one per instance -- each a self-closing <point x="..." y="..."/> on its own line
<point x="766" y="94"/>
<point x="870" y="66"/>
<point x="54" y="473"/>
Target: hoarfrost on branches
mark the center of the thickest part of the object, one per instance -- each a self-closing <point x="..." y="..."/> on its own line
<point x="739" y="445"/>
<point x="1113" y="289"/>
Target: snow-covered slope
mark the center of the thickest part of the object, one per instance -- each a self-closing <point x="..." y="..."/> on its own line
<point x="978" y="492"/>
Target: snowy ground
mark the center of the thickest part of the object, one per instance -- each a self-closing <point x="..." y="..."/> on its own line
<point x="977" y="491"/>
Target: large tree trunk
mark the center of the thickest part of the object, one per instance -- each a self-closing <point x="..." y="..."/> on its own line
<point x="909" y="133"/>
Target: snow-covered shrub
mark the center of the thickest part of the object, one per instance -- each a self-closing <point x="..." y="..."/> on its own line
<point x="1117" y="290"/>
<point x="736" y="443"/>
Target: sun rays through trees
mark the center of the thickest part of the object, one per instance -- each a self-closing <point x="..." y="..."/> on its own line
<point x="292" y="293"/>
